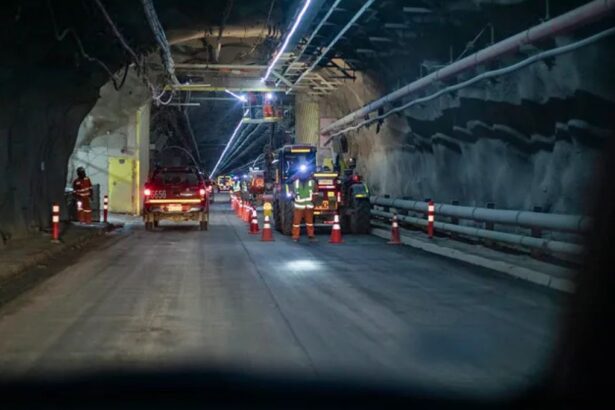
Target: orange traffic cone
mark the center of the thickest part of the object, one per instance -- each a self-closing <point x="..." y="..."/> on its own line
<point x="246" y="213"/>
<point x="336" y="232"/>
<point x="267" y="232"/>
<point x="254" y="222"/>
<point x="395" y="239"/>
<point x="239" y="208"/>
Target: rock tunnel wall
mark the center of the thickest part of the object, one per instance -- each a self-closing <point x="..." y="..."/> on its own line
<point x="50" y="75"/>
<point x="38" y="128"/>
<point x="531" y="138"/>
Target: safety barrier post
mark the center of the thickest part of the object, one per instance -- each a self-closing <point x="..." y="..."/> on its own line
<point x="80" y="215"/>
<point x="105" y="208"/>
<point x="254" y="222"/>
<point x="395" y="236"/>
<point x="55" y="223"/>
<point x="431" y="211"/>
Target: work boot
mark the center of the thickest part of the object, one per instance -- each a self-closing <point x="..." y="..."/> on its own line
<point x="295" y="240"/>
<point x="313" y="239"/>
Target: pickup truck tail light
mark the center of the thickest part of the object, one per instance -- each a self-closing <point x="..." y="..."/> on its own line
<point x="202" y="191"/>
<point x="147" y="192"/>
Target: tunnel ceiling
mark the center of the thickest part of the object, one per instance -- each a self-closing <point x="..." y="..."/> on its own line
<point x="248" y="32"/>
<point x="426" y="34"/>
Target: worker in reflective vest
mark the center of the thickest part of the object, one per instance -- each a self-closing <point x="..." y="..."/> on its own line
<point x="303" y="188"/>
<point x="82" y="190"/>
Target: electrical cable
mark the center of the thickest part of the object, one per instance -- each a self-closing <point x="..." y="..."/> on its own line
<point x="140" y="67"/>
<point x="245" y="133"/>
<point x="161" y="39"/>
<point x="240" y="151"/>
<point x="233" y="135"/>
<point x="69" y="30"/>
<point x="484" y="76"/>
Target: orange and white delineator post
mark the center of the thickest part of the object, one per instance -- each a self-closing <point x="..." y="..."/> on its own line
<point x="254" y="222"/>
<point x="246" y="213"/>
<point x="431" y="212"/>
<point x="267" y="232"/>
<point x="336" y="231"/>
<point x="80" y="212"/>
<point x="55" y="222"/>
<point x="395" y="237"/>
<point x="105" y="208"/>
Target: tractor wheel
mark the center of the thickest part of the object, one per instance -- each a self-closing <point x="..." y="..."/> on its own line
<point x="344" y="222"/>
<point x="360" y="217"/>
<point x="277" y="220"/>
<point x="287" y="220"/>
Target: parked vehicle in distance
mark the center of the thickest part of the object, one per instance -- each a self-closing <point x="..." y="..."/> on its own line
<point x="176" y="194"/>
<point x="225" y="183"/>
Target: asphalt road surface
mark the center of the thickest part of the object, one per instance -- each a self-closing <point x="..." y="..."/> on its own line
<point x="179" y="296"/>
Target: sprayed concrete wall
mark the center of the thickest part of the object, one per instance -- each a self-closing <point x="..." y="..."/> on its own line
<point x="307" y="119"/>
<point x="529" y="139"/>
<point x="117" y="127"/>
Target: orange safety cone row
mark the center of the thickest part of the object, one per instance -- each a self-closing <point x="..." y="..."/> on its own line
<point x="395" y="238"/>
<point x="254" y="222"/>
<point x="239" y="209"/>
<point x="247" y="215"/>
<point x="336" y="232"/>
<point x="267" y="232"/>
<point x="244" y="211"/>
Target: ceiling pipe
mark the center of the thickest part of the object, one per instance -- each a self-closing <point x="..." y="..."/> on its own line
<point x="220" y="67"/>
<point x="309" y="40"/>
<point x="566" y="22"/>
<point x="293" y="28"/>
<point x="334" y="41"/>
<point x="233" y="31"/>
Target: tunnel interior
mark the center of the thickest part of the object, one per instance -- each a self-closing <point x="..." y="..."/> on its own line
<point x="457" y="148"/>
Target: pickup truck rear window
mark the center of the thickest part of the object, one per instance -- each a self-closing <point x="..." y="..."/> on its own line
<point x="176" y="178"/>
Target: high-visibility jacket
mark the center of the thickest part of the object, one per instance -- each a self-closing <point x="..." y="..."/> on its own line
<point x="82" y="187"/>
<point x="303" y="193"/>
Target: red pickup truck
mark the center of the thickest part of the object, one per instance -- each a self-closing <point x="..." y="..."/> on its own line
<point x="177" y="194"/>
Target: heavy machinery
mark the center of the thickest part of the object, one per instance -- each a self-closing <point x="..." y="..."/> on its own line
<point x="177" y="194"/>
<point x="347" y="196"/>
<point x="256" y="185"/>
<point x="225" y="183"/>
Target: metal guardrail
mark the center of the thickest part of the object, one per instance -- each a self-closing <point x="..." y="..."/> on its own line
<point x="537" y="221"/>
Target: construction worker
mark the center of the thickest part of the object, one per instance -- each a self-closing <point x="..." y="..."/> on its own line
<point x="303" y="189"/>
<point x="82" y="190"/>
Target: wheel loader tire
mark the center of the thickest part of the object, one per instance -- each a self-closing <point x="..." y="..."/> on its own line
<point x="287" y="221"/>
<point x="277" y="216"/>
<point x="344" y="222"/>
<point x="360" y="217"/>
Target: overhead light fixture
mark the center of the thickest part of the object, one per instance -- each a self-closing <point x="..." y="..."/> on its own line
<point x="241" y="98"/>
<point x="287" y="40"/>
<point x="269" y="96"/>
<point x="228" y="144"/>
